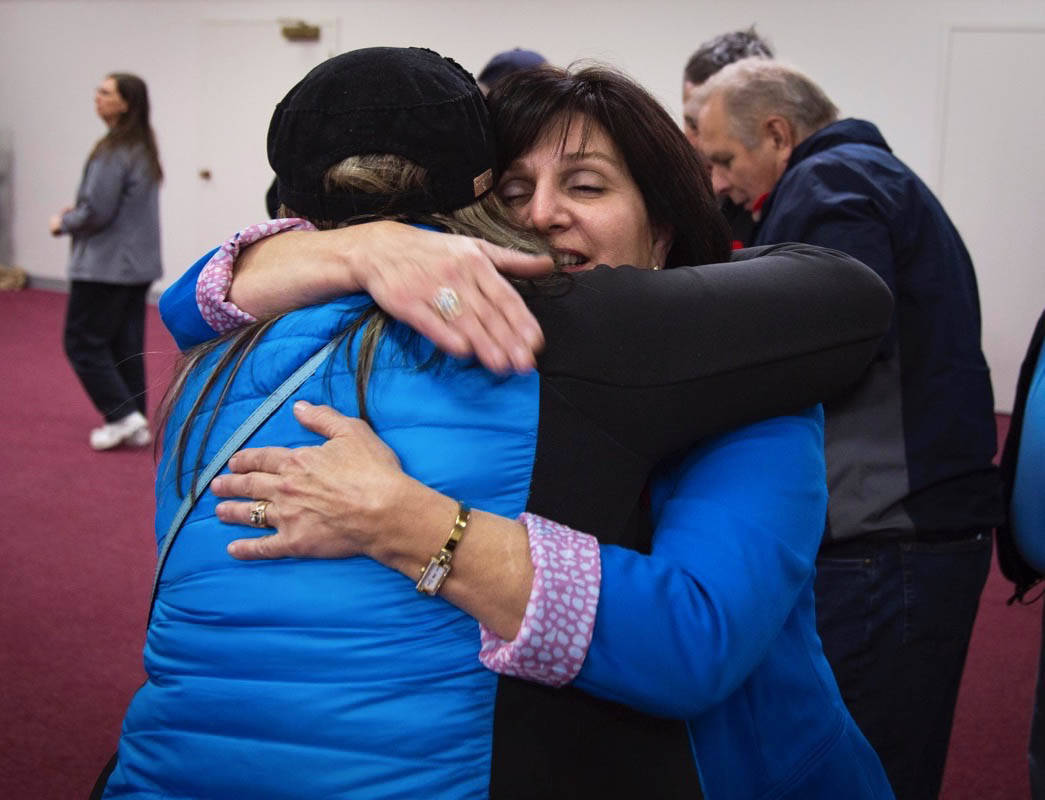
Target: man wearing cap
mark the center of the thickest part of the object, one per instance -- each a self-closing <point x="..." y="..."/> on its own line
<point x="913" y="492"/>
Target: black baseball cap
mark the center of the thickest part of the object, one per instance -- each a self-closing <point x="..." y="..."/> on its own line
<point x="410" y="102"/>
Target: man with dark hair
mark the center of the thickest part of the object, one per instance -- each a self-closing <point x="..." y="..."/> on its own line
<point x="913" y="492"/>
<point x="716" y="53"/>
<point x="709" y="58"/>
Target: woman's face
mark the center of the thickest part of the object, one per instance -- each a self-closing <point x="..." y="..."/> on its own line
<point x="582" y="198"/>
<point x="108" y="102"/>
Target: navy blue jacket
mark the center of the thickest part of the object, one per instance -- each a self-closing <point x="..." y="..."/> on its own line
<point x="909" y="449"/>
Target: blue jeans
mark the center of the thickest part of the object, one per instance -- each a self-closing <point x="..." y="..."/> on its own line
<point x="895" y="617"/>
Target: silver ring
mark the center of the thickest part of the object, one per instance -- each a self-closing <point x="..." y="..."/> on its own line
<point x="257" y="514"/>
<point x="447" y="303"/>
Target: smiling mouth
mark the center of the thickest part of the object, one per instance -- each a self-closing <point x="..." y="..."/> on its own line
<point x="569" y="261"/>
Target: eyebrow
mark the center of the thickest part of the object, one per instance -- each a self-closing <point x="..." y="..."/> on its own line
<point x="574" y="157"/>
<point x="598" y="155"/>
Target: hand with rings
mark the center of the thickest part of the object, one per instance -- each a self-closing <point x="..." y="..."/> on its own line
<point x="325" y="498"/>
<point x="448" y="288"/>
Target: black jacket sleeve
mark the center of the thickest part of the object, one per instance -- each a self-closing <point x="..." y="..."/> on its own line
<point x="662" y="359"/>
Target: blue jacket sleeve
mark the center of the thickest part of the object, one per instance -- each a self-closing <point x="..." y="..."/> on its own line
<point x="736" y="539"/>
<point x="179" y="311"/>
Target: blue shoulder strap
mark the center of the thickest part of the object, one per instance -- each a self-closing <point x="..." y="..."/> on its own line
<point x="234" y="443"/>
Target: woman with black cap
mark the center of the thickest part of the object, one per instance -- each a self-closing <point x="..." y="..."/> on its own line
<point x="331" y="678"/>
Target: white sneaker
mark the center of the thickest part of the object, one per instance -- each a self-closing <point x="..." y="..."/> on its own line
<point x="132" y="429"/>
<point x="140" y="438"/>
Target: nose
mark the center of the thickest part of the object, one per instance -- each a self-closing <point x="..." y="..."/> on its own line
<point x="547" y="211"/>
<point x="692" y="136"/>
<point x="720" y="182"/>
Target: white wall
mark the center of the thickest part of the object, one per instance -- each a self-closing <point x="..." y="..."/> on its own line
<point x="885" y="60"/>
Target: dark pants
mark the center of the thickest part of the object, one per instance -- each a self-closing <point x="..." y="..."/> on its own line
<point x="895" y="618"/>
<point x="104" y="340"/>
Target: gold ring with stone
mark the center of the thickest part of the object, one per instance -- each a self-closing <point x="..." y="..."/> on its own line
<point x="257" y="514"/>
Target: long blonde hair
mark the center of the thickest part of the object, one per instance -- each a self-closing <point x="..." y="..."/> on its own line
<point x="369" y="174"/>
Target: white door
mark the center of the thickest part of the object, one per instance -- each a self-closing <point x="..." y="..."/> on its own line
<point x="247" y="67"/>
<point x="993" y="183"/>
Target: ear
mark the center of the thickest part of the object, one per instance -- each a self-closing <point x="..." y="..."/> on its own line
<point x="781" y="135"/>
<point x="663" y="238"/>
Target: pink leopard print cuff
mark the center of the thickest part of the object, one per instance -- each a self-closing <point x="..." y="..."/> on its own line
<point x="212" y="286"/>
<point x="556" y="630"/>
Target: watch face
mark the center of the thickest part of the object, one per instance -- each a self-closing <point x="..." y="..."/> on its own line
<point x="433" y="575"/>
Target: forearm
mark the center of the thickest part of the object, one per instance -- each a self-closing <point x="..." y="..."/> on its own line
<point x="196" y="307"/>
<point x="295" y="269"/>
<point x="492" y="573"/>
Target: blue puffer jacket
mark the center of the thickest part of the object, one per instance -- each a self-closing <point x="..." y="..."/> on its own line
<point x="325" y="678"/>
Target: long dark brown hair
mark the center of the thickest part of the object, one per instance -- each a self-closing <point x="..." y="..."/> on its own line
<point x="132" y="128"/>
<point x="674" y="184"/>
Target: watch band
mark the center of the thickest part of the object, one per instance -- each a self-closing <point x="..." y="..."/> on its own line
<point x="435" y="574"/>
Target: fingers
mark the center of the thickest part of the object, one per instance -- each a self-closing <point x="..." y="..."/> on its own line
<point x="495" y="322"/>
<point x="512" y="262"/>
<point x="259" y="459"/>
<point x="259" y="548"/>
<point x="237" y="512"/>
<point x="256" y="485"/>
<point x="520" y="326"/>
<point x="273" y="545"/>
<point x="495" y="325"/>
<point x="500" y="327"/>
<point x="324" y="420"/>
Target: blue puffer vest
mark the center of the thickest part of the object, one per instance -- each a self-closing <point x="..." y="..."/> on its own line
<point x="325" y="678"/>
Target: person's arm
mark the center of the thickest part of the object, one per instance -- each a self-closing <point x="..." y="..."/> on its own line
<point x="402" y="267"/>
<point x="349" y="497"/>
<point x="662" y="359"/>
<point x="179" y="310"/>
<point x="98" y="199"/>
<point x="735" y="543"/>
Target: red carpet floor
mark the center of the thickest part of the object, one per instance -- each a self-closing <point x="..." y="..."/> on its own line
<point x="76" y="559"/>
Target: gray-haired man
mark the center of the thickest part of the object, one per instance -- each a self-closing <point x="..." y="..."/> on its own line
<point x="913" y="492"/>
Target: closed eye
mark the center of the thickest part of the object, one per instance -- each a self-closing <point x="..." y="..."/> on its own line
<point x="588" y="190"/>
<point x="515" y="193"/>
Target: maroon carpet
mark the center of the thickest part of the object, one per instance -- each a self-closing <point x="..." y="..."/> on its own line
<point x="76" y="559"/>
